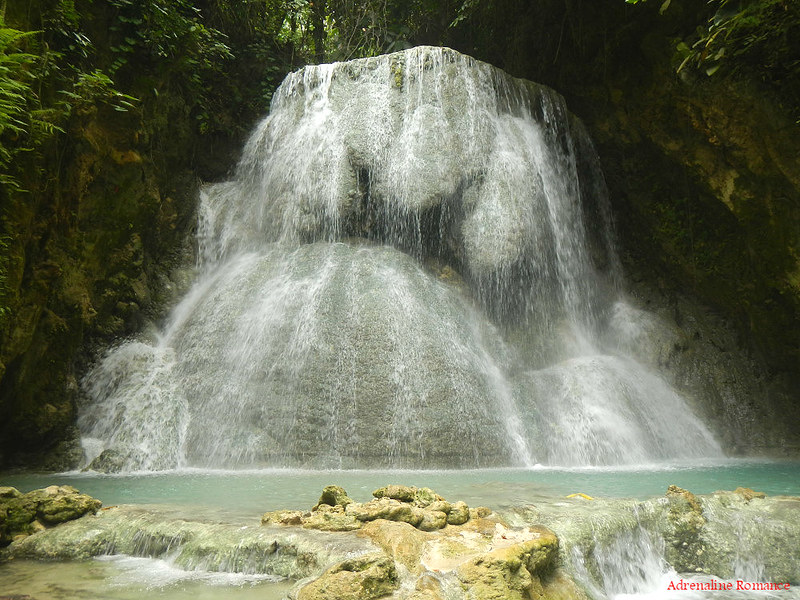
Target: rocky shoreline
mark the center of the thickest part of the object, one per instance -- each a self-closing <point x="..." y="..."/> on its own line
<point x="412" y="544"/>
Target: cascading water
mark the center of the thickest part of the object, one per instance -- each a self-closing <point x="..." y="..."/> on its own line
<point x="412" y="267"/>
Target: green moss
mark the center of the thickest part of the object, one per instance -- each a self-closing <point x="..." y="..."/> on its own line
<point x="397" y="69"/>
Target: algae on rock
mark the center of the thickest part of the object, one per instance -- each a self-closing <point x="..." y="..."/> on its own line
<point x="24" y="514"/>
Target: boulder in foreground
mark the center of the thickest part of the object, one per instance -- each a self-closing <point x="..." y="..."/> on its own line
<point x="24" y="514"/>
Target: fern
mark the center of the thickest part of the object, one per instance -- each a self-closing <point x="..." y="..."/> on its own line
<point x="15" y="96"/>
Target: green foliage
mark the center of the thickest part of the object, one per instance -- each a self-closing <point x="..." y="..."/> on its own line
<point x="170" y="32"/>
<point x="17" y="122"/>
<point x="92" y="88"/>
<point x="28" y="117"/>
<point x="762" y="34"/>
<point x="370" y="27"/>
<point x="758" y="39"/>
<point x="168" y="41"/>
<point x="63" y="23"/>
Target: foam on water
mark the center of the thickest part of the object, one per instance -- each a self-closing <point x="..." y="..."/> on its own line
<point x="156" y="573"/>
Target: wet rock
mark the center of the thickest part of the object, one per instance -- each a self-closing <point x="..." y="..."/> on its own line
<point x="323" y="518"/>
<point x="425" y="497"/>
<point x="479" y="512"/>
<point x="685" y="516"/>
<point x="560" y="586"/>
<point x="425" y="595"/>
<point x="441" y="505"/>
<point x="427" y="587"/>
<point x="483" y="559"/>
<point x="421" y="497"/>
<point x="109" y="461"/>
<point x="363" y="578"/>
<point x="762" y="534"/>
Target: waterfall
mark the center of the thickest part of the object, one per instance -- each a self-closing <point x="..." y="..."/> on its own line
<point x="624" y="557"/>
<point x="412" y="267"/>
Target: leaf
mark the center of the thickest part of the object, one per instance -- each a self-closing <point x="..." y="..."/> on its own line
<point x="684" y="63"/>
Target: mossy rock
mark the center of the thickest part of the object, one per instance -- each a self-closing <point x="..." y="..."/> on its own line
<point x="432" y="520"/>
<point x="331" y="518"/>
<point x="333" y="495"/>
<point x="459" y="514"/>
<point x="402" y="493"/>
<point x="282" y="517"/>
<point x="684" y="539"/>
<point x="401" y="541"/>
<point x="421" y="497"/>
<point x="366" y="577"/>
<point x="336" y="511"/>
<point x="387" y="508"/>
<point x="510" y="573"/>
<point x="24" y="514"/>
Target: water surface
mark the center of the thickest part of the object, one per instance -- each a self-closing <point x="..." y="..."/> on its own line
<point x="251" y="492"/>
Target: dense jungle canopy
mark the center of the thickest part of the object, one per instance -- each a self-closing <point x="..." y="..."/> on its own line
<point x="113" y="111"/>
